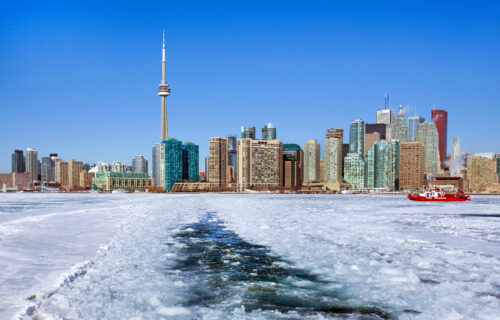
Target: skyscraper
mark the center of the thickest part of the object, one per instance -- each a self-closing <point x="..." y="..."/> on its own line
<point x="269" y="132"/>
<point x="412" y="126"/>
<point x="354" y="170"/>
<point x="158" y="170"/>
<point x="411" y="165"/>
<point x="392" y="165"/>
<point x="62" y="173"/>
<point x="375" y="165"/>
<point x="376" y="127"/>
<point x="333" y="154"/>
<point x="32" y="163"/>
<point x="428" y="135"/>
<point x="260" y="164"/>
<point x="74" y="169"/>
<point x="172" y="162"/>
<point x="18" y="162"/>
<point x="456" y="148"/>
<point x="248" y="133"/>
<point x="480" y="171"/>
<point x="357" y="137"/>
<point x="311" y="160"/>
<point x="385" y="116"/>
<point x="190" y="162"/>
<point x="217" y="163"/>
<point x="400" y="129"/>
<point x="232" y="146"/>
<point x="46" y="169"/>
<point x="163" y="92"/>
<point x="292" y="165"/>
<point x="440" y="118"/>
<point x="370" y="139"/>
<point x="139" y="164"/>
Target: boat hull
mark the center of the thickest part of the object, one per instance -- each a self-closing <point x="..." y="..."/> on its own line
<point x="446" y="198"/>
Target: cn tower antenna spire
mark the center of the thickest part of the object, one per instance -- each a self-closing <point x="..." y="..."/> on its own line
<point x="163" y="92"/>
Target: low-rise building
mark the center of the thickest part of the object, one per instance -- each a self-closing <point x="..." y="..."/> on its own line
<point x="109" y="181"/>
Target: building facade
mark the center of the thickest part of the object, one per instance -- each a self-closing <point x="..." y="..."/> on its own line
<point x="376" y="127"/>
<point x="269" y="132"/>
<point x="32" y="163"/>
<point x="292" y="166"/>
<point x="158" y="169"/>
<point x="400" y="130"/>
<point x="456" y="148"/>
<point x="109" y="181"/>
<point x="260" y="164"/>
<point x="74" y="169"/>
<point x="190" y="161"/>
<point x="357" y="137"/>
<point x="217" y="163"/>
<point x="232" y="158"/>
<point x="412" y="127"/>
<point x="333" y="155"/>
<point x="248" y="133"/>
<point x="46" y="169"/>
<point x="354" y="170"/>
<point x="139" y="164"/>
<point x="411" y="165"/>
<point x="428" y="135"/>
<point x="311" y="161"/>
<point x="18" y="162"/>
<point x="481" y="171"/>
<point x="172" y="162"/>
<point x="440" y="118"/>
<point x="370" y="139"/>
<point x="62" y="173"/>
<point x="385" y="116"/>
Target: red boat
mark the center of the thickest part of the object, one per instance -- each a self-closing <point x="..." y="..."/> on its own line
<point x="438" y="195"/>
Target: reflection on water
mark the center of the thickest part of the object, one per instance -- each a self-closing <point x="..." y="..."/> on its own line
<point x="227" y="272"/>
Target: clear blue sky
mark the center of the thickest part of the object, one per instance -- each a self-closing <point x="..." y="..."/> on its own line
<point x="79" y="78"/>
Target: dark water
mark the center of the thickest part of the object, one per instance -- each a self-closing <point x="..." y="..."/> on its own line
<point x="228" y="272"/>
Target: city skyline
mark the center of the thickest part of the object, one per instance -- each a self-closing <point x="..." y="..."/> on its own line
<point x="208" y="102"/>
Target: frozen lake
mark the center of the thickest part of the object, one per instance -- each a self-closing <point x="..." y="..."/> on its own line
<point x="219" y="256"/>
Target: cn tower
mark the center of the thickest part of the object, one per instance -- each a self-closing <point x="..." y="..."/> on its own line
<point x="163" y="92"/>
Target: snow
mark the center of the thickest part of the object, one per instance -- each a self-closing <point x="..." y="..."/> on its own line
<point x="153" y="256"/>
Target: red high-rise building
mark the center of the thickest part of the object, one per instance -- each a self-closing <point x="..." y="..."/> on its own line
<point x="440" y="118"/>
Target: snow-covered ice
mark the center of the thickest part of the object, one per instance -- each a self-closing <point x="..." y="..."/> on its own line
<point x="213" y="256"/>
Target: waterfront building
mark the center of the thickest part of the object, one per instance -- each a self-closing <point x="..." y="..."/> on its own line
<point x="481" y="171"/>
<point x="62" y="173"/>
<point x="46" y="169"/>
<point x="32" y="163"/>
<point x="376" y="127"/>
<point x="456" y="148"/>
<point x="440" y="118"/>
<point x="322" y="169"/>
<point x="86" y="179"/>
<point x="74" y="169"/>
<point x="376" y="163"/>
<point x="400" y="128"/>
<point x="269" y="132"/>
<point x="392" y="165"/>
<point x="172" y="162"/>
<point x="370" y="139"/>
<point x="53" y="173"/>
<point x="158" y="170"/>
<point x="311" y="161"/>
<point x="345" y="151"/>
<point x="248" y="133"/>
<point x="232" y="157"/>
<point x="292" y="166"/>
<point x="411" y="165"/>
<point x="190" y="162"/>
<point x="18" y="162"/>
<point x="357" y="137"/>
<point x="260" y="164"/>
<point x="207" y="165"/>
<point x="428" y="135"/>
<point x="354" y="171"/>
<point x="333" y="155"/>
<point x="217" y="163"/>
<point x="109" y="181"/>
<point x="163" y="92"/>
<point x="15" y="180"/>
<point x="412" y="127"/>
<point x="139" y="164"/>
<point x="87" y="166"/>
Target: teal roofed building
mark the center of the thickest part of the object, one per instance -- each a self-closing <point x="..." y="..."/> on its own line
<point x="375" y="165"/>
<point x="108" y="181"/>
<point x="190" y="161"/>
<point x="173" y="162"/>
<point x="354" y="170"/>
